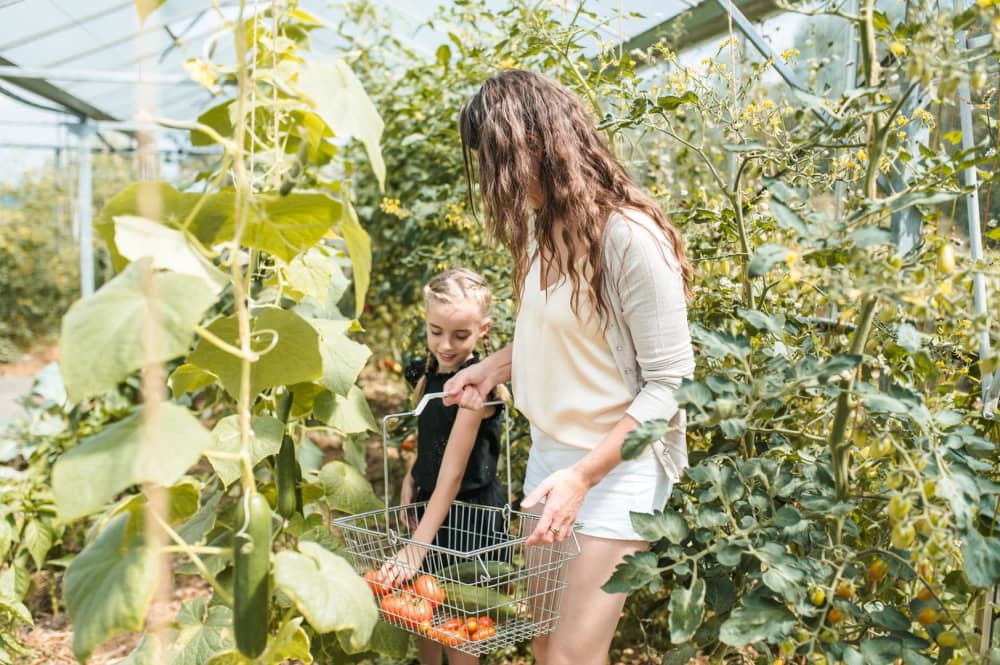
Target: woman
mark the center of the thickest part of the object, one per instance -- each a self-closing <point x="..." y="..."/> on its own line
<point x="600" y="342"/>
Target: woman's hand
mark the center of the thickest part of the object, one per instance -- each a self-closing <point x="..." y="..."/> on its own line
<point x="402" y="566"/>
<point x="564" y="492"/>
<point x="469" y="387"/>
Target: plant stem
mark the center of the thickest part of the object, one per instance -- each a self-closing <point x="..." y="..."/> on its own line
<point x="839" y="448"/>
<point x="242" y="207"/>
<point x="195" y="559"/>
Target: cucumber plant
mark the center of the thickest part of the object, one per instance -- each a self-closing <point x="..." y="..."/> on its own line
<point x="240" y="299"/>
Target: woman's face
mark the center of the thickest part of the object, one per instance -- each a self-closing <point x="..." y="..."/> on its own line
<point x="452" y="331"/>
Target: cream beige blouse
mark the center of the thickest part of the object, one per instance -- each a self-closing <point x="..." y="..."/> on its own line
<point x="565" y="380"/>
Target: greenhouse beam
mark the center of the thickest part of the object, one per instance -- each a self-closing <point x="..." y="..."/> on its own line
<point x="84" y="134"/>
<point x="46" y="90"/>
<point x="12" y="73"/>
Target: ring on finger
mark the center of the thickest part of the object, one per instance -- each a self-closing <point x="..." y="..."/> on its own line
<point x="555" y="531"/>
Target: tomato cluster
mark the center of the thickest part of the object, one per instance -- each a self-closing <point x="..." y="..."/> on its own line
<point x="413" y="607"/>
<point x="454" y="631"/>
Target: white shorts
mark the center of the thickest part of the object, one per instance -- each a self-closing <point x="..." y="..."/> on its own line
<point x="638" y="485"/>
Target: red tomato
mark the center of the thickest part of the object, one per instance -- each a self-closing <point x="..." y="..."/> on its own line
<point x="427" y="587"/>
<point x="378" y="587"/>
<point x="409" y="443"/>
<point x="485" y="622"/>
<point x="452" y="637"/>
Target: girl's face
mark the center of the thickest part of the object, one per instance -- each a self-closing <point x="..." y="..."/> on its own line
<point x="452" y="332"/>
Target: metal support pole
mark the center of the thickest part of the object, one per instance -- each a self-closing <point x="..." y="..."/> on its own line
<point x="850" y="80"/>
<point x="84" y="134"/>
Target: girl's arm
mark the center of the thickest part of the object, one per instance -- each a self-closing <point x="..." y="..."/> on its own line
<point x="407" y="561"/>
<point x="470" y="386"/>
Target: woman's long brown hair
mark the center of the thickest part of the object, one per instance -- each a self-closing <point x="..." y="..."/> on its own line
<point x="521" y="124"/>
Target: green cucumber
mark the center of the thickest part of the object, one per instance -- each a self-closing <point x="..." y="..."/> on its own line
<point x="480" y="600"/>
<point x="251" y="571"/>
<point x="286" y="478"/>
<point x="471" y="572"/>
<point x="286" y="467"/>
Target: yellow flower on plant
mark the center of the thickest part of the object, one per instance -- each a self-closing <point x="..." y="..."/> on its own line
<point x="393" y="207"/>
<point x="897" y="48"/>
<point x="201" y="72"/>
<point x="983" y="4"/>
<point x="862" y="155"/>
<point x="789" y="54"/>
<point x="507" y="63"/>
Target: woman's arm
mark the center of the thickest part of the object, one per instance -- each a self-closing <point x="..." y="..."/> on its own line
<point x="470" y="386"/>
<point x="456" y="457"/>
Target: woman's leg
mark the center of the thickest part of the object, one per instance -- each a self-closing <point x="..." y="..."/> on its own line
<point x="588" y="614"/>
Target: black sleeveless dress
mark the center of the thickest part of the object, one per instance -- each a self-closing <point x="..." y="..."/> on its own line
<point x="464" y="529"/>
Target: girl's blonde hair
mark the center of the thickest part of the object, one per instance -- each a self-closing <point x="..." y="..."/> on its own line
<point x="452" y="286"/>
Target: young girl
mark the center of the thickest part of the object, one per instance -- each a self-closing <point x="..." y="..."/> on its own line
<point x="457" y="449"/>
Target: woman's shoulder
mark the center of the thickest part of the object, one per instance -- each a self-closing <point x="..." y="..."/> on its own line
<point x="628" y="227"/>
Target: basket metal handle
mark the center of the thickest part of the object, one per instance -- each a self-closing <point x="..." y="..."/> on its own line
<point x="416" y="411"/>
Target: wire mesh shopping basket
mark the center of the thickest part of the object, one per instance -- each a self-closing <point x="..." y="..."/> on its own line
<point x="480" y="587"/>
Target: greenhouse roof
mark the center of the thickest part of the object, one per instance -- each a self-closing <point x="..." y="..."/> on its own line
<point x="86" y="59"/>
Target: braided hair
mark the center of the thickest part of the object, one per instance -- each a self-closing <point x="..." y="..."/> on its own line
<point x="458" y="285"/>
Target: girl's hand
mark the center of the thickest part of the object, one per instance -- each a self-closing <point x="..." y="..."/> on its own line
<point x="564" y="492"/>
<point x="469" y="387"/>
<point x="403" y="566"/>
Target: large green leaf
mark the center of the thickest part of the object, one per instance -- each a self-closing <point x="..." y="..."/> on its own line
<point x="189" y="378"/>
<point x="265" y="440"/>
<point x="120" y="455"/>
<point x="386" y="639"/>
<point x="291" y="644"/>
<point x="343" y="358"/>
<point x="109" y="587"/>
<point x="317" y="274"/>
<point x="750" y="625"/>
<point x="643" y="436"/>
<point x="346" y="489"/>
<point x="359" y="246"/>
<point x="667" y="524"/>
<point x="101" y="341"/>
<point x="137" y="237"/>
<point x="37" y="538"/>
<point x="687" y="608"/>
<point x="286" y="226"/>
<point x="765" y="257"/>
<point x="294" y="357"/>
<point x="342" y="102"/>
<point x="327" y="591"/>
<point x="181" y="502"/>
<point x="201" y="631"/>
<point x="349" y="415"/>
<point x="982" y="558"/>
<point x="636" y="571"/>
<point x="161" y="201"/>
